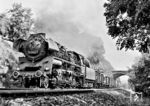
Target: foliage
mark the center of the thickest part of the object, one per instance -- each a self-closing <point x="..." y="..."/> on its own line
<point x="129" y="22"/>
<point x="140" y="79"/>
<point x="16" y="22"/>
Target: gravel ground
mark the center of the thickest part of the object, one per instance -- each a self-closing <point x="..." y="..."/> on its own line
<point x="89" y="99"/>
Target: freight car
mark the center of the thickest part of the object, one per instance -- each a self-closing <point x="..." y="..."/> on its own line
<point x="48" y="64"/>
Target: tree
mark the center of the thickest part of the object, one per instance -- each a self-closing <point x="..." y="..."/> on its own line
<point x="16" y="23"/>
<point x="128" y="22"/>
<point x="140" y="75"/>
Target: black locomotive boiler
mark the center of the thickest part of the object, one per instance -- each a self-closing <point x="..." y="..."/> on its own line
<point x="48" y="64"/>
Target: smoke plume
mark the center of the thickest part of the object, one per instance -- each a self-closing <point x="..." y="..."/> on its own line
<point x="62" y="25"/>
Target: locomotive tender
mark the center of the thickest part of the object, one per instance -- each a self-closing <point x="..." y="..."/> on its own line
<point x="48" y="64"/>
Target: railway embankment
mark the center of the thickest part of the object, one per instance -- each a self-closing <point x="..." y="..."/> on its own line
<point x="98" y="98"/>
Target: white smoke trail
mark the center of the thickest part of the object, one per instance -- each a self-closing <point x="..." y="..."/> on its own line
<point x="67" y="23"/>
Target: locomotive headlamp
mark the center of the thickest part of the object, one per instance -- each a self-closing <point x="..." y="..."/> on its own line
<point x="15" y="74"/>
<point x="47" y="69"/>
<point x="18" y="69"/>
<point x="38" y="73"/>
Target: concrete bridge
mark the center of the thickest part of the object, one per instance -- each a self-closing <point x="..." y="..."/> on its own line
<point x="118" y="73"/>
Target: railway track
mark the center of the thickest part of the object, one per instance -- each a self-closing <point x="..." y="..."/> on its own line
<point x="15" y="92"/>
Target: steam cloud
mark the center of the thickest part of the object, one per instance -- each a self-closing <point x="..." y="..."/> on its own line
<point x="62" y="26"/>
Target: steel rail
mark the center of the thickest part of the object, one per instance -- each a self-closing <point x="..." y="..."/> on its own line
<point x="37" y="92"/>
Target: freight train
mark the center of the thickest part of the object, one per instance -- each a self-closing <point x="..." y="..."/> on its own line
<point x="48" y="64"/>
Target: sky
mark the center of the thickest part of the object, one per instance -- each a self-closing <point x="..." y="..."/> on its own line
<point x="89" y="15"/>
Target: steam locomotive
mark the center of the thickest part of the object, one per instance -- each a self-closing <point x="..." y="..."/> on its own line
<point x="48" y="64"/>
